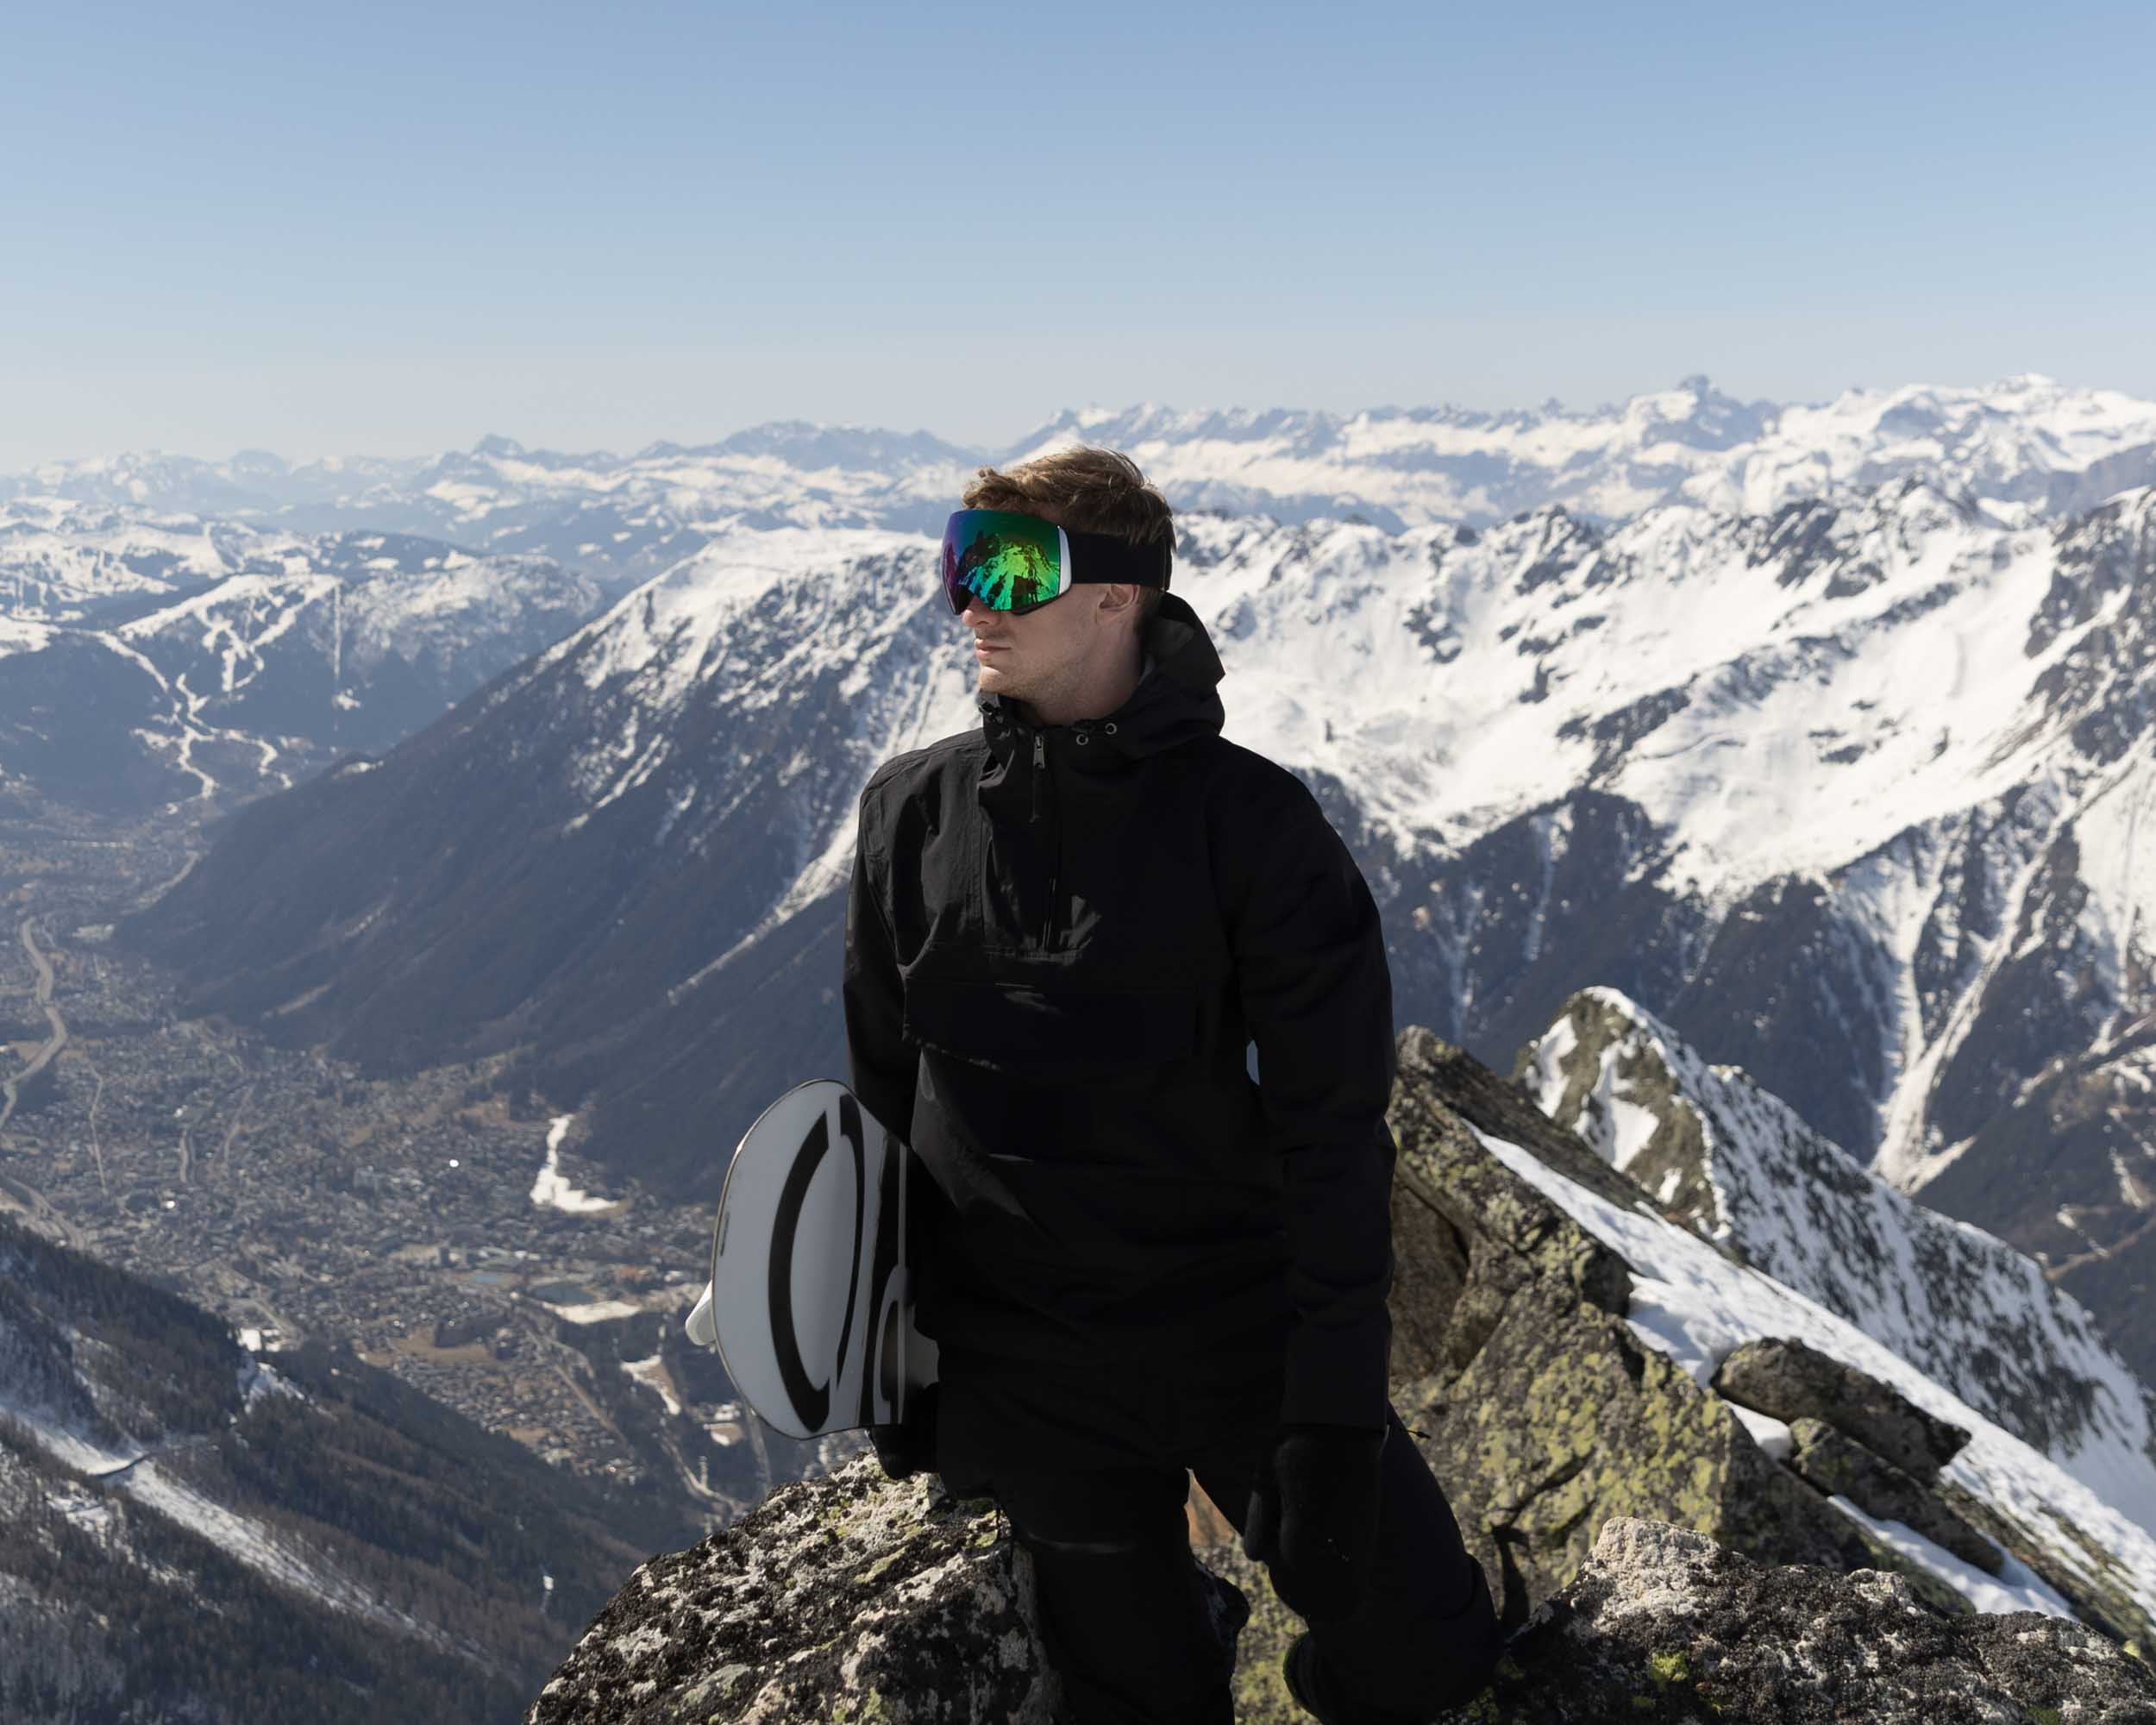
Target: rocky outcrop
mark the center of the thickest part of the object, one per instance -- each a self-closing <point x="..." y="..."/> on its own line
<point x="1539" y="1410"/>
<point x="1543" y="1415"/>
<point x="844" y="1598"/>
<point x="1793" y="1380"/>
<point x="1739" y="1167"/>
<point x="2103" y="1579"/>
<point x="1832" y="1462"/>
<point x="1661" y="1624"/>
<point x="1557" y="1433"/>
<point x="853" y="1599"/>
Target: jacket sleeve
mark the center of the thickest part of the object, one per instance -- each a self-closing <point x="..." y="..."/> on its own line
<point x="880" y="1060"/>
<point x="1309" y="956"/>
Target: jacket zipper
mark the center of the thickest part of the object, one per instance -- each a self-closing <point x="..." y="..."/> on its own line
<point x="1040" y="772"/>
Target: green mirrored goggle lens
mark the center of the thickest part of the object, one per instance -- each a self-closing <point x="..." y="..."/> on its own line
<point x="1007" y="560"/>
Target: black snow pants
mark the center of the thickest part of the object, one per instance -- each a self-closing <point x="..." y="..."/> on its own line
<point x="1089" y="1465"/>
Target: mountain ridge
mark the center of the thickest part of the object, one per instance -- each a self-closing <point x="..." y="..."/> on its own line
<point x="1737" y="1164"/>
<point x="2028" y="445"/>
<point x="1556" y="1359"/>
<point x="186" y="660"/>
<point x="1848" y="794"/>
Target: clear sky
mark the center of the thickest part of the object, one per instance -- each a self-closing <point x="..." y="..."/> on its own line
<point x="394" y="228"/>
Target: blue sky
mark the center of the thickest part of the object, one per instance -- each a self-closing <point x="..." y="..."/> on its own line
<point x="393" y="229"/>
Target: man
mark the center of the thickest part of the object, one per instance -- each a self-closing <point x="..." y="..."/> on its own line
<point x="1067" y="931"/>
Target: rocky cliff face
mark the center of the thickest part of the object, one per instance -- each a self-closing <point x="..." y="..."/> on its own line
<point x="1743" y="1169"/>
<point x="844" y="1598"/>
<point x="1661" y="1623"/>
<point x="1657" y="1559"/>
<point x="1774" y="1358"/>
<point x="1543" y="1412"/>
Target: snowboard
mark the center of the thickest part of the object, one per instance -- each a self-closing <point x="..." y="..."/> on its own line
<point x="810" y="1302"/>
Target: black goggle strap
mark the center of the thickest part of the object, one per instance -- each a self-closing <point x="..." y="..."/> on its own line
<point x="1104" y="557"/>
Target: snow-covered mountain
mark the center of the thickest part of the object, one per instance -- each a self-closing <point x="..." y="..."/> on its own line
<point x="1739" y="1166"/>
<point x="1824" y="734"/>
<point x="2025" y="447"/>
<point x="150" y="661"/>
<point x="1693" y="1304"/>
<point x="619" y="857"/>
<point x="1878" y="769"/>
<point x="1849" y="794"/>
<point x="618" y="519"/>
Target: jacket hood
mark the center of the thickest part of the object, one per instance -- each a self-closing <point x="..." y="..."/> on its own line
<point x="1178" y="698"/>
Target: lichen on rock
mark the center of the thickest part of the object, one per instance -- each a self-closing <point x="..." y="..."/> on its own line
<point x="845" y="1598"/>
<point x="1541" y="1412"/>
<point x="1661" y="1624"/>
<point x="777" y="1622"/>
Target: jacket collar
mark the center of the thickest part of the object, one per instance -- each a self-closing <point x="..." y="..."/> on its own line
<point x="1177" y="699"/>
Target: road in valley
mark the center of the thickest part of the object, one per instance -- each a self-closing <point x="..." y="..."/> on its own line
<point x="49" y="1049"/>
<point x="13" y="1188"/>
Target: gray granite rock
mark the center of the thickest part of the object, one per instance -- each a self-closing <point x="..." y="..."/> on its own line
<point x="1661" y="1624"/>
<point x="845" y="1598"/>
<point x="852" y="1599"/>
<point x="1838" y="1464"/>
<point x="1791" y="1380"/>
<point x="1541" y="1412"/>
<point x="1556" y="1434"/>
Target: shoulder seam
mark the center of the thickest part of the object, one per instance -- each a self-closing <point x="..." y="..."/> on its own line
<point x="1269" y="774"/>
<point x="942" y="745"/>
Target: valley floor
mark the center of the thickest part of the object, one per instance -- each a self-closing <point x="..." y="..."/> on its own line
<point x="302" y="1202"/>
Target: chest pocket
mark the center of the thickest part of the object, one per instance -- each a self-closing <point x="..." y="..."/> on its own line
<point x="1049" y="1094"/>
<point x="1053" y="1032"/>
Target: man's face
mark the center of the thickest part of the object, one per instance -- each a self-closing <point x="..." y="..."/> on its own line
<point x="1033" y="654"/>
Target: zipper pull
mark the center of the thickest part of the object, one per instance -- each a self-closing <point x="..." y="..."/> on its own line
<point x="1040" y="766"/>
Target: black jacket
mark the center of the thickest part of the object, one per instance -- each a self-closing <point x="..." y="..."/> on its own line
<point x="1060" y="942"/>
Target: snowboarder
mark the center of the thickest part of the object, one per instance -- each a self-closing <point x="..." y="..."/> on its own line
<point x="1065" y="933"/>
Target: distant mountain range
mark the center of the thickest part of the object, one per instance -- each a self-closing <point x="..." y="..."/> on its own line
<point x="2022" y="446"/>
<point x="238" y="624"/>
<point x="146" y="662"/>
<point x="1850" y="793"/>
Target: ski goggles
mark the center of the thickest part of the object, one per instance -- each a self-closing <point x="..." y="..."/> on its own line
<point x="1011" y="561"/>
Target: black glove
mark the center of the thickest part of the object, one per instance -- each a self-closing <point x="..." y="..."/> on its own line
<point x="909" y="1448"/>
<point x="1312" y="1520"/>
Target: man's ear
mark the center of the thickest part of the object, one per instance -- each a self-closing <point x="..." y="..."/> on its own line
<point x="1118" y="599"/>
